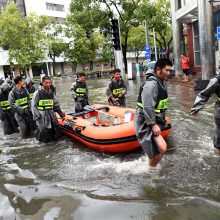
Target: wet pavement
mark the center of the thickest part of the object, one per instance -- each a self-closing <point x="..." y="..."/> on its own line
<point x="66" y="180"/>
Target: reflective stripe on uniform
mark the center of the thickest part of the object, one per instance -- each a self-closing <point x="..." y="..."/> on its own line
<point x="5" y="105"/>
<point x="22" y="102"/>
<point x="45" y="104"/>
<point x="140" y="105"/>
<point x="81" y="90"/>
<point x="117" y="91"/>
<point x="31" y="95"/>
<point x="163" y="104"/>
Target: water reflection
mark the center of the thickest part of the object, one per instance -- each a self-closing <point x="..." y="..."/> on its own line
<point x="66" y="180"/>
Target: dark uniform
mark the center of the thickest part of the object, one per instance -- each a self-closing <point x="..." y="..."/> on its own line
<point x="202" y="98"/>
<point x="80" y="93"/>
<point x="151" y="109"/>
<point x="114" y="88"/>
<point x="31" y="89"/>
<point x="9" y="124"/>
<point x="19" y="101"/>
<point x="44" y="105"/>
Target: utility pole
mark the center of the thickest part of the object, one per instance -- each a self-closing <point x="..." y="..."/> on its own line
<point x="155" y="44"/>
<point x="146" y="32"/>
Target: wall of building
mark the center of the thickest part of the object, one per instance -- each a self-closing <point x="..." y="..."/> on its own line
<point x="191" y="49"/>
<point x="40" y="8"/>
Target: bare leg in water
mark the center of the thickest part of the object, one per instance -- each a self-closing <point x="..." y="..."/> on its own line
<point x="162" y="147"/>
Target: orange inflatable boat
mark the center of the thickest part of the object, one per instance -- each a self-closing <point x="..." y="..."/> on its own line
<point x="104" y="128"/>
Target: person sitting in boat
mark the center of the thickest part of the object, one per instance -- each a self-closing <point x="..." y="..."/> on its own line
<point x="151" y="110"/>
<point x="212" y="88"/>
<point x="9" y="124"/>
<point x="80" y="93"/>
<point x="44" y="104"/>
<point x="116" y="89"/>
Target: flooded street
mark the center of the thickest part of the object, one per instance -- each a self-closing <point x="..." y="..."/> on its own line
<point x="66" y="180"/>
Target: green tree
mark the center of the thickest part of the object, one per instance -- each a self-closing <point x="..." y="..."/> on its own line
<point x="107" y="54"/>
<point x="92" y="15"/>
<point x="159" y="18"/>
<point x="136" y="41"/>
<point x="56" y="45"/>
<point x="81" y="50"/>
<point x="23" y="35"/>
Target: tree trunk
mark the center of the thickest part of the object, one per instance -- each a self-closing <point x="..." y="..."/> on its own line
<point x="91" y="66"/>
<point x="54" y="72"/>
<point x="137" y="56"/>
<point x="53" y="58"/>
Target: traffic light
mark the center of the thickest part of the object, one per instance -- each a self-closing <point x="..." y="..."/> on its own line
<point x="88" y="34"/>
<point x="116" y="35"/>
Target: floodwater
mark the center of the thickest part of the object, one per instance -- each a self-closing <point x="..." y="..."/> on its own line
<point x="66" y="180"/>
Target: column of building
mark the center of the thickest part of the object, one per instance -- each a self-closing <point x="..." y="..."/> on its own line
<point x="177" y="38"/>
<point x="206" y="34"/>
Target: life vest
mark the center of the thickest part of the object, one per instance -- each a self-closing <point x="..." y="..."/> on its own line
<point x="46" y="100"/>
<point x="21" y="98"/>
<point x="81" y="89"/>
<point x="117" y="87"/>
<point x="162" y="99"/>
<point x="4" y="102"/>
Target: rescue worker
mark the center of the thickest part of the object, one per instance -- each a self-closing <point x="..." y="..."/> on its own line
<point x="19" y="101"/>
<point x="202" y="98"/>
<point x="9" y="124"/>
<point x="151" y="110"/>
<point x="9" y="81"/>
<point x="53" y="88"/>
<point x="44" y="105"/>
<point x="80" y="93"/>
<point x="116" y="89"/>
<point x="30" y="87"/>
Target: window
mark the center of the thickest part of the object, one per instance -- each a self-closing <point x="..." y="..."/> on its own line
<point x="179" y="5"/>
<point x="55" y="7"/>
<point x="196" y="43"/>
<point x="60" y="20"/>
<point x="20" y="4"/>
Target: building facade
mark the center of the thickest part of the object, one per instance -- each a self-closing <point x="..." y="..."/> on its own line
<point x="57" y="9"/>
<point x="194" y="34"/>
